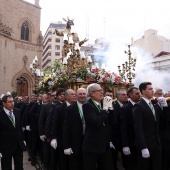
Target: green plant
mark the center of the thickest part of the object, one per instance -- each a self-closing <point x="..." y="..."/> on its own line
<point x="14" y="94"/>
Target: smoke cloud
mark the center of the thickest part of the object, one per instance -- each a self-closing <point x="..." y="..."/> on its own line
<point x="144" y="69"/>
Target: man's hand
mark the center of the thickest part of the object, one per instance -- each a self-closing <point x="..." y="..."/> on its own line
<point x="28" y="128"/>
<point x="0" y="155"/>
<point x="162" y="101"/>
<point x="43" y="137"/>
<point x="54" y="143"/>
<point x="68" y="151"/>
<point x="107" y="103"/>
<point x="112" y="146"/>
<point x="126" y="150"/>
<point x="145" y="153"/>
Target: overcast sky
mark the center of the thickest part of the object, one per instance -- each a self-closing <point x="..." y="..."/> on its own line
<point x="116" y="20"/>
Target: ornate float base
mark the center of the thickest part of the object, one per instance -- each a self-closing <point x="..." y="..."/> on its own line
<point x="80" y="83"/>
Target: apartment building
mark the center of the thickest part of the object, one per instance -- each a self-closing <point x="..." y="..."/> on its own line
<point x="52" y="45"/>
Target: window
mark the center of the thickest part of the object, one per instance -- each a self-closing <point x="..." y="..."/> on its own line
<point x="49" y="33"/>
<point x="57" y="40"/>
<point x="57" y="54"/>
<point x="47" y="48"/>
<point x="25" y="31"/>
<point x="57" y="47"/>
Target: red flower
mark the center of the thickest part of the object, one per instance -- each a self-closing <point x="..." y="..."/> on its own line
<point x="117" y="78"/>
<point x="89" y="80"/>
<point x="95" y="70"/>
<point x="107" y="74"/>
<point x="104" y="80"/>
<point x="124" y="83"/>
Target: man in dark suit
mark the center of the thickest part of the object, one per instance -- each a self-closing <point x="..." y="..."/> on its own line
<point x="11" y="139"/>
<point x="41" y="129"/>
<point x="146" y="124"/>
<point x="74" y="127"/>
<point x="57" y="127"/>
<point x="122" y="99"/>
<point x="164" y="103"/>
<point x="33" y="116"/>
<point x="127" y="129"/>
<point x="96" y="143"/>
<point x="54" y="153"/>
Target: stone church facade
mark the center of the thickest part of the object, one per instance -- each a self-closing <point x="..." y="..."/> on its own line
<point x="20" y="42"/>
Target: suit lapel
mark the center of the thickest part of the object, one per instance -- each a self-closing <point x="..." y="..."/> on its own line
<point x="16" y="117"/>
<point x="6" y="118"/>
<point x="146" y="106"/>
<point x="91" y="102"/>
<point x="77" y="111"/>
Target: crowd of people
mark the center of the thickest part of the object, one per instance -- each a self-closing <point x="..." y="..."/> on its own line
<point x="87" y="129"/>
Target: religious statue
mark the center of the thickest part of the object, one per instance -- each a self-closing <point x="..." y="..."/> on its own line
<point x="72" y="44"/>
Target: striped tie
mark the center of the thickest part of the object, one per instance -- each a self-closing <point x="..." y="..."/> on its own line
<point x="153" y="110"/>
<point x="10" y="114"/>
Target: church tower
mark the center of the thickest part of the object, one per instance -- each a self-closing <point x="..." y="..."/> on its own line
<point x="19" y="44"/>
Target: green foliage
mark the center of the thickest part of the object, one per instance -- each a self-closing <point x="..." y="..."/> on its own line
<point x="14" y="94"/>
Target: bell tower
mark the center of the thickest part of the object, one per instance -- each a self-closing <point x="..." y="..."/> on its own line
<point x="37" y="3"/>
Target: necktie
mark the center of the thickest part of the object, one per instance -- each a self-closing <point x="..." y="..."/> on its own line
<point x="11" y="117"/>
<point x="81" y="113"/>
<point x="10" y="114"/>
<point x="153" y="110"/>
<point x="99" y="106"/>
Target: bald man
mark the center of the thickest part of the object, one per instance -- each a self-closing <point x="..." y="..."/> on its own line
<point x="74" y="126"/>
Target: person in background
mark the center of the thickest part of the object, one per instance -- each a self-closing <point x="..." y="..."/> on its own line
<point x="54" y="153"/>
<point x="122" y="99"/>
<point x="109" y="93"/>
<point x="127" y="129"/>
<point x="42" y="130"/>
<point x="158" y="92"/>
<point x="57" y="128"/>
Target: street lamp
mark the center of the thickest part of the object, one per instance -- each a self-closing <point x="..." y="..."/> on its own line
<point x="36" y="72"/>
<point x="21" y="81"/>
<point x="127" y="67"/>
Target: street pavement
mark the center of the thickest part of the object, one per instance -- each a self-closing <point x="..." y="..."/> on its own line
<point x="28" y="166"/>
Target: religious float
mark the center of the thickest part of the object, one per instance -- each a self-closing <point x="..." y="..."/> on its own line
<point x="75" y="69"/>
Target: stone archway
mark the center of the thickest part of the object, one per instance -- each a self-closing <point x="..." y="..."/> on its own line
<point x="27" y="76"/>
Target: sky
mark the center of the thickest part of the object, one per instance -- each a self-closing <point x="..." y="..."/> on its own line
<point x="115" y="20"/>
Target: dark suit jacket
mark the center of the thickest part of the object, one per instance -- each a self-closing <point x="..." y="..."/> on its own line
<point x="57" y="124"/>
<point x="43" y="118"/>
<point x="96" y="138"/>
<point x="10" y="136"/>
<point x="146" y="128"/>
<point x="165" y="128"/>
<point x="26" y="116"/>
<point x="127" y="126"/>
<point x="50" y="115"/>
<point x="73" y="129"/>
<point x="18" y="104"/>
<point x="115" y="130"/>
<point x="33" y="115"/>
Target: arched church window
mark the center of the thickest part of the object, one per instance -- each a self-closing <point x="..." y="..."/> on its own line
<point x="25" y="31"/>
